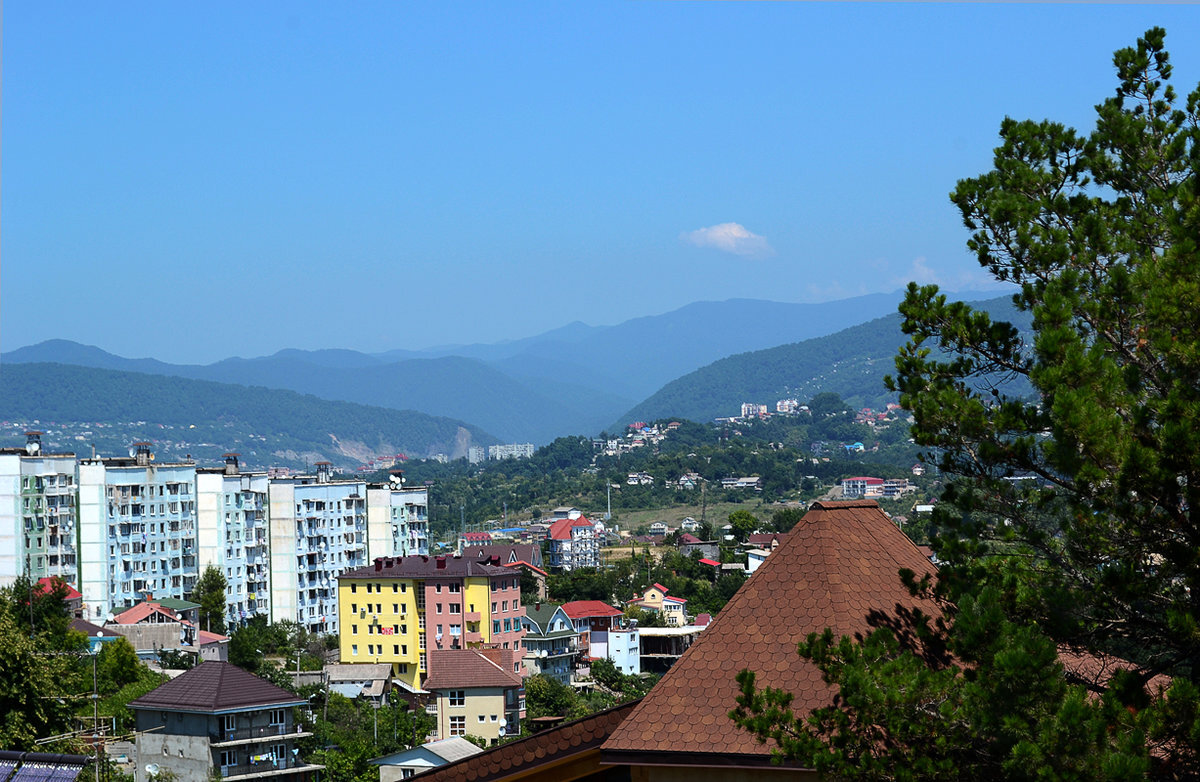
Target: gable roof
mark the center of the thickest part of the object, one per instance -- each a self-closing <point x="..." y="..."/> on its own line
<point x="143" y="611"/>
<point x="449" y="750"/>
<point x="216" y="687"/>
<point x="507" y="552"/>
<point x="841" y="561"/>
<point x="541" y="614"/>
<point x="571" y="743"/>
<point x="581" y="609"/>
<point x="49" y="583"/>
<point x="561" y="529"/>
<point x="688" y="537"/>
<point x="465" y="668"/>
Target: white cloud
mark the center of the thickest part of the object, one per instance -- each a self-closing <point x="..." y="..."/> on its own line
<point x="730" y="238"/>
<point x="963" y="279"/>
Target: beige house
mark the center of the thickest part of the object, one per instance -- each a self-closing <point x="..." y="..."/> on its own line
<point x="656" y="599"/>
<point x="476" y="695"/>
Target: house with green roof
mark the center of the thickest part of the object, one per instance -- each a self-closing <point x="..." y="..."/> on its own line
<point x="551" y="642"/>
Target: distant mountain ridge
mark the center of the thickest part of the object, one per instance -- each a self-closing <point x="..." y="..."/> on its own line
<point x="205" y="419"/>
<point x="575" y="379"/>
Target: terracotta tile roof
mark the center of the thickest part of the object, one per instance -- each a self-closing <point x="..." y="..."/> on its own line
<point x="215" y="687"/>
<point x="524" y="564"/>
<point x="142" y="611"/>
<point x="540" y="753"/>
<point x="561" y="529"/>
<point x="759" y="538"/>
<point x="579" y="609"/>
<point x="204" y="637"/>
<point x="452" y="669"/>
<point x="839" y="563"/>
<point x="688" y="537"/>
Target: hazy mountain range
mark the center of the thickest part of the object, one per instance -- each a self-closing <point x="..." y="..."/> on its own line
<point x="577" y="379"/>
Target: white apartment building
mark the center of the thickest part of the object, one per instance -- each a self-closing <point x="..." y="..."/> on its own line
<point x="232" y="536"/>
<point x="37" y="513"/>
<point x="397" y="519"/>
<point x="137" y="530"/>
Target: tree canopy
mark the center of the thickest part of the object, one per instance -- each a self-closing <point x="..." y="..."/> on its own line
<point x="1071" y="528"/>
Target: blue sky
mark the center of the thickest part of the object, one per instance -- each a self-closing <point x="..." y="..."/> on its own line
<point x="194" y="181"/>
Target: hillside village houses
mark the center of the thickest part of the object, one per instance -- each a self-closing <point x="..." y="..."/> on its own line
<point x="129" y="529"/>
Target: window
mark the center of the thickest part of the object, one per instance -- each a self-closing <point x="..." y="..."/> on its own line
<point x="353" y="629"/>
<point x="455" y="629"/>
<point x="229" y="757"/>
<point x="495" y="625"/>
<point x="493" y="607"/>
<point x="395" y="608"/>
<point x="505" y="605"/>
<point x="458" y="726"/>
<point x="439" y="608"/>
<point x="457" y="697"/>
<point x="354" y="649"/>
<point x="507" y="625"/>
<point x="437" y="588"/>
<point x="455" y="588"/>
<point x="354" y="608"/>
<point x="353" y="588"/>
<point x="395" y="648"/>
<point x="277" y="716"/>
<point x="395" y="587"/>
<point x="456" y="608"/>
<point x="482" y="718"/>
<point x="228" y="721"/>
<point x="405" y="773"/>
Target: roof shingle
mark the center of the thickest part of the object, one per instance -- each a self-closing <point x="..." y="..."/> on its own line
<point x="215" y="687"/>
<point x="839" y="563"/>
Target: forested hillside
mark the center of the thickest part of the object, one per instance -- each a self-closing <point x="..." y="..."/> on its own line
<point x="205" y="419"/>
<point x="851" y="363"/>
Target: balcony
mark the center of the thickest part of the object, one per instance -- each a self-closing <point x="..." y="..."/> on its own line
<point x="257" y="734"/>
<point x="263" y="768"/>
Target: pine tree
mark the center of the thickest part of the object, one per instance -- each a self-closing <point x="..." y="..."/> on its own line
<point x="1071" y="526"/>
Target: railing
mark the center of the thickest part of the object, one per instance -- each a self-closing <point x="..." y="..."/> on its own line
<point x="259" y="732"/>
<point x="262" y="767"/>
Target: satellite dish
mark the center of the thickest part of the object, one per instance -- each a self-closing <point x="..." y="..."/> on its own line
<point x="152" y="768"/>
<point x="503" y="723"/>
<point x="132" y="452"/>
<point x="32" y="447"/>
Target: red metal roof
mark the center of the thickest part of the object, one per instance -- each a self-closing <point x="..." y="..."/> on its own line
<point x="580" y="609"/>
<point x="49" y="584"/>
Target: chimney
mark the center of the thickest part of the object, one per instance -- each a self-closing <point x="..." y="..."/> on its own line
<point x="378" y="564"/>
<point x="537" y="606"/>
<point x="441" y="563"/>
<point x="142" y="456"/>
<point x="231" y="463"/>
<point x="389" y="562"/>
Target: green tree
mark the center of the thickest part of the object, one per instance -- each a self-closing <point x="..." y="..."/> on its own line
<point x="117" y="665"/>
<point x="209" y="592"/>
<point x="32" y="687"/>
<point x="1072" y="518"/>
<point x="743" y="522"/>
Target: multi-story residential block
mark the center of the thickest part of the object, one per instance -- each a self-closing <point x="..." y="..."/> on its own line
<point x="398" y="519"/>
<point x="137" y="530"/>
<point x="574" y="542"/>
<point x="510" y="451"/>
<point x="477" y="694"/>
<point x="397" y="610"/>
<point x="218" y="721"/>
<point x="862" y="486"/>
<point x="318" y="530"/>
<point x="38" y="514"/>
<point x="551" y="641"/>
<point x="476" y="454"/>
<point x="231" y="522"/>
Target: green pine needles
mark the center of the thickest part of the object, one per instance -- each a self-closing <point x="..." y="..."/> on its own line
<point x="1070" y="526"/>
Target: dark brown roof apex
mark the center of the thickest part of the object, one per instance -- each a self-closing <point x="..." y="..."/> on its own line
<point x="215" y="687"/>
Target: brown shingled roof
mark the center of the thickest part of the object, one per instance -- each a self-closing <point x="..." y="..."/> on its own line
<point x="541" y="753"/>
<point x="215" y="687"/>
<point x="840" y="562"/>
<point x="464" y="668"/>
